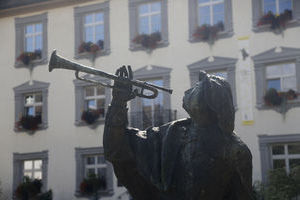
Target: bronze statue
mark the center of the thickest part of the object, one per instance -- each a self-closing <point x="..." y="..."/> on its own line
<point x="198" y="158"/>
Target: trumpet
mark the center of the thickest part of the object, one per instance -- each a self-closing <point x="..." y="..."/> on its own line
<point x="58" y="62"/>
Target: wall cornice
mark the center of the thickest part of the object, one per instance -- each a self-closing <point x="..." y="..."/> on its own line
<point x="30" y="6"/>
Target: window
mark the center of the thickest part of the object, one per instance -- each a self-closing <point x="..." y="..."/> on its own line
<point x="92" y="25"/>
<point x="285" y="155"/>
<point x="34" y="165"/>
<point x="92" y="100"/>
<point x="152" y="112"/>
<point x="210" y="12"/>
<point x="91" y="161"/>
<point x="220" y="66"/>
<point x="152" y="109"/>
<point x="278" y="69"/>
<point x="31" y="37"/>
<point x="31" y="106"/>
<point x="33" y="169"/>
<point x="277" y="151"/>
<point x="147" y="17"/>
<point x="276" y="6"/>
<point x="262" y="7"/>
<point x="281" y="77"/>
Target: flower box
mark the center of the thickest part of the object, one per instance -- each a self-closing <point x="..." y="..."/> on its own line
<point x="28" y="57"/>
<point x="30" y="123"/>
<point x="91" y="47"/>
<point x="148" y="41"/>
<point x="91" y="116"/>
<point x="92" y="185"/>
<point x="207" y="32"/>
<point x="31" y="189"/>
<point x="276" y="22"/>
<point x="275" y="98"/>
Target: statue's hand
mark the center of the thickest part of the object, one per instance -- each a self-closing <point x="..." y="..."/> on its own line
<point x="122" y="92"/>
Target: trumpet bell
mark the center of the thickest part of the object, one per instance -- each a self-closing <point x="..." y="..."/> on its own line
<point x="53" y="61"/>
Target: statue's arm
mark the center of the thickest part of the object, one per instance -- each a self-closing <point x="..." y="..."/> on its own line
<point x="115" y="140"/>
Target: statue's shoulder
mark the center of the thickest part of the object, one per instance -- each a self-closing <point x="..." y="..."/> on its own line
<point x="239" y="150"/>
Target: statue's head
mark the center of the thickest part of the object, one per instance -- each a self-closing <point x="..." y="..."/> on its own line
<point x="210" y="102"/>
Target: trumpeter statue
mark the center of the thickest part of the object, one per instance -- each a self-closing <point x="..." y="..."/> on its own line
<point x="197" y="158"/>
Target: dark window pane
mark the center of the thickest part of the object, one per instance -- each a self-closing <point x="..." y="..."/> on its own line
<point x="277" y="149"/>
<point x="294" y="148"/>
<point x="100" y="90"/>
<point x="101" y="160"/>
<point x="278" y="164"/>
<point x="89" y="91"/>
<point x="90" y="160"/>
<point x="90" y="172"/>
<point x="101" y="172"/>
<point x="38" y="98"/>
<point x="294" y="163"/>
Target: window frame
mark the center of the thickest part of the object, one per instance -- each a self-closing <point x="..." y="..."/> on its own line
<point x="257" y="13"/>
<point x="80" y="154"/>
<point x="20" y="25"/>
<point x="193" y="20"/>
<point x="18" y="164"/>
<point x="265" y="149"/>
<point x="217" y="64"/>
<point x="27" y="88"/>
<point x="79" y="14"/>
<point x="270" y="57"/>
<point x="79" y="87"/>
<point x="133" y="6"/>
<point x="157" y="73"/>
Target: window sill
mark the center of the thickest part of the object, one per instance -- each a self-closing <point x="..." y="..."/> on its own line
<point x="221" y="35"/>
<point x="106" y="193"/>
<point x="139" y="47"/>
<point x="266" y="28"/>
<point x="87" y="55"/>
<point x="34" y="63"/>
<point x="290" y="104"/>
<point x="96" y="123"/>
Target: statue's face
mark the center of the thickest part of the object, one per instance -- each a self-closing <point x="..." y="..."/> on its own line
<point x="193" y="101"/>
<point x="196" y="106"/>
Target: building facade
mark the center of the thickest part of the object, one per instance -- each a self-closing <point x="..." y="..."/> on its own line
<point x="54" y="123"/>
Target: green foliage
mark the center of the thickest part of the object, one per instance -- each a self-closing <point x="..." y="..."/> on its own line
<point x="31" y="189"/>
<point x="92" y="184"/>
<point x="281" y="186"/>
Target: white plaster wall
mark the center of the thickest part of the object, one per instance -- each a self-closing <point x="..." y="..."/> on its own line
<point x="62" y="136"/>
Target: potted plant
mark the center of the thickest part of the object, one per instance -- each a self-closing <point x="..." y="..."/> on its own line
<point x="276" y="22"/>
<point x="90" y="47"/>
<point x="207" y="32"/>
<point x="92" y="185"/>
<point x="27" y="57"/>
<point x="91" y="115"/>
<point x="31" y="189"/>
<point x="29" y="122"/>
<point x="275" y="98"/>
<point x="148" y="41"/>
